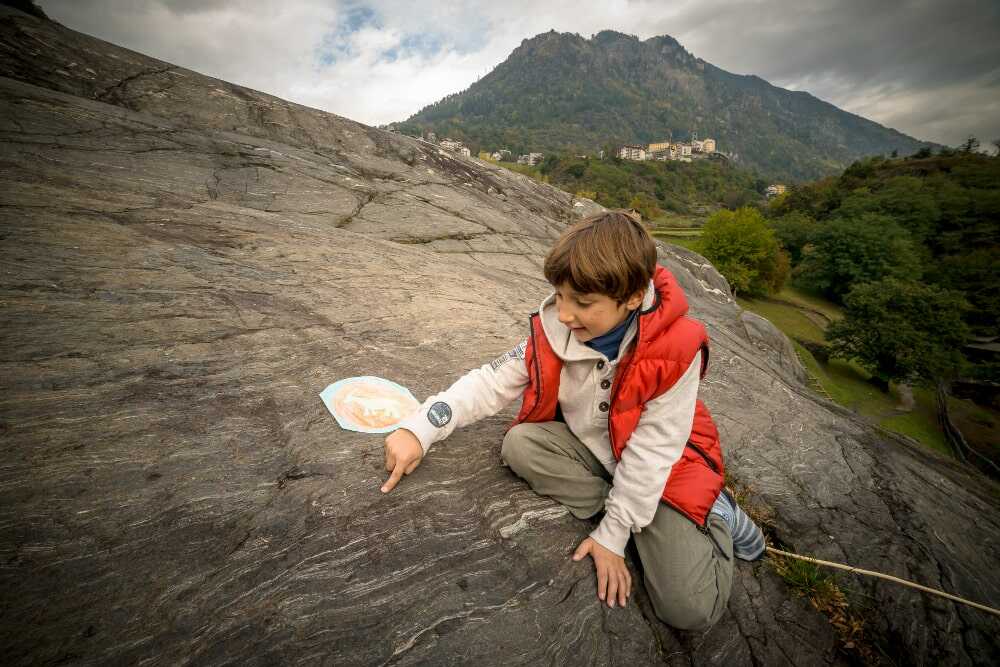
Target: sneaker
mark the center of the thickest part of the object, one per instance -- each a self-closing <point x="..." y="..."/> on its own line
<point x="748" y="540"/>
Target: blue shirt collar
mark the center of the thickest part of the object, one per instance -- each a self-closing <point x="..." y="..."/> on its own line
<point x="609" y="343"/>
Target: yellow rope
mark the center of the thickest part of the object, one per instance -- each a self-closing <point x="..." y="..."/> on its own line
<point x="888" y="577"/>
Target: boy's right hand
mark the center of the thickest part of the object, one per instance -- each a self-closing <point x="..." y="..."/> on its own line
<point x="402" y="454"/>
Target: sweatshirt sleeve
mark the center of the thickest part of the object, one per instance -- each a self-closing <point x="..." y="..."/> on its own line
<point x="481" y="392"/>
<point x="656" y="444"/>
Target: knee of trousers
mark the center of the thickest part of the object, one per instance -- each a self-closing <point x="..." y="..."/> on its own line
<point x="517" y="445"/>
<point x="692" y="612"/>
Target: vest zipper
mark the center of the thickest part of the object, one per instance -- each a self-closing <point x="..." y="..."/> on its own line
<point x="704" y="527"/>
<point x="537" y="365"/>
<point x="701" y="452"/>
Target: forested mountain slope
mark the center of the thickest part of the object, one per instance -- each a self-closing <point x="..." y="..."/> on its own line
<point x="564" y="93"/>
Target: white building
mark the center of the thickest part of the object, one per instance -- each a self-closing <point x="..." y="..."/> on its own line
<point x="660" y="155"/>
<point x="632" y="152"/>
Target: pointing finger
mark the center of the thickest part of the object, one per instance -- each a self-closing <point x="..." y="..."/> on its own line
<point x="397" y="474"/>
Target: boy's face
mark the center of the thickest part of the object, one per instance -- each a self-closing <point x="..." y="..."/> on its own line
<point x="591" y="315"/>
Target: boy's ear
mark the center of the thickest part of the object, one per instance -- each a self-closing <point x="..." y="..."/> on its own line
<point x="635" y="300"/>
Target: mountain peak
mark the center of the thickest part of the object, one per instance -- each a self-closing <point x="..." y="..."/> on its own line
<point x="613" y="36"/>
<point x="561" y="92"/>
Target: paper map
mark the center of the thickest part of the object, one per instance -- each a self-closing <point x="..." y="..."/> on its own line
<point x="368" y="404"/>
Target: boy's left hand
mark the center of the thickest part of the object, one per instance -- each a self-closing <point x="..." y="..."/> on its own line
<point x="613" y="578"/>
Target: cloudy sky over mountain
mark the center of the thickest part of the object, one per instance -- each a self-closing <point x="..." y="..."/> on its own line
<point x="930" y="68"/>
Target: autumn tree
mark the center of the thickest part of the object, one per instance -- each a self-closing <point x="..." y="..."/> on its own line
<point x="744" y="250"/>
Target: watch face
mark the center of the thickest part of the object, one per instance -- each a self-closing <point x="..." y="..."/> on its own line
<point x="369" y="404"/>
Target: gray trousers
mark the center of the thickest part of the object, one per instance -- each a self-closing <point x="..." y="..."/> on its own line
<point x="687" y="576"/>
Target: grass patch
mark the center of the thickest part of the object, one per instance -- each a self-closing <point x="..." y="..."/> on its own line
<point x="788" y="318"/>
<point x="692" y="244"/>
<point x="678" y="221"/>
<point x="852" y="389"/>
<point x="807" y="579"/>
<point x="921" y="424"/>
<point x="848" y="385"/>
<point x="799" y="297"/>
<point x="683" y="240"/>
<point x="820" y="587"/>
<point x="979" y="425"/>
<point x="845" y="384"/>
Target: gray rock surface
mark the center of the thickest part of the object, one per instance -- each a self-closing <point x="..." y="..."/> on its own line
<point x="187" y="263"/>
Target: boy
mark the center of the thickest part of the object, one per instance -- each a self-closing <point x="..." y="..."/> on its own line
<point x="610" y="421"/>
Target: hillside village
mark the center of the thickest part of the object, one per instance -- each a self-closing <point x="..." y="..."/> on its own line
<point x="664" y="151"/>
<point x="502" y="155"/>
<point x="681" y="151"/>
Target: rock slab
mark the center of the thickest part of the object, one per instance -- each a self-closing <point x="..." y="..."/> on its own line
<point x="187" y="263"/>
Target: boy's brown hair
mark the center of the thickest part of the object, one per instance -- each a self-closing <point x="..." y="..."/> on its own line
<point x="609" y="253"/>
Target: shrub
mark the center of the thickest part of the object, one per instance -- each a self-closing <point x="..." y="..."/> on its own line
<point x="745" y="251"/>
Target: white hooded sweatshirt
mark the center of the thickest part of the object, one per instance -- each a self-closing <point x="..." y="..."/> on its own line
<point x="584" y="387"/>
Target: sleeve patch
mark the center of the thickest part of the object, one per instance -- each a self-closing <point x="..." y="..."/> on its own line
<point x="439" y="414"/>
<point x="516" y="353"/>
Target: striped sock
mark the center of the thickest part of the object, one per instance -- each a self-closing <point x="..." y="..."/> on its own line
<point x="748" y="540"/>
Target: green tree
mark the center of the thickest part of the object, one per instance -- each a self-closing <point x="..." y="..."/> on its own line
<point x="794" y="230"/>
<point x="848" y="251"/>
<point x="911" y="204"/>
<point x="744" y="250"/>
<point x="734" y="199"/>
<point x="901" y="330"/>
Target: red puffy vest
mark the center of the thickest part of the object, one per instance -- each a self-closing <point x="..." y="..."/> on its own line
<point x="663" y="349"/>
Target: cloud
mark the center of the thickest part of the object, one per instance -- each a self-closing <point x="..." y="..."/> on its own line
<point x="930" y="69"/>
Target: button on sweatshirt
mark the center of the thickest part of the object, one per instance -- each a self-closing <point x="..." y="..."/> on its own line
<point x="655" y="445"/>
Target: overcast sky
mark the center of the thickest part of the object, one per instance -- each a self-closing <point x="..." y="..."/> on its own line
<point x="928" y="68"/>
